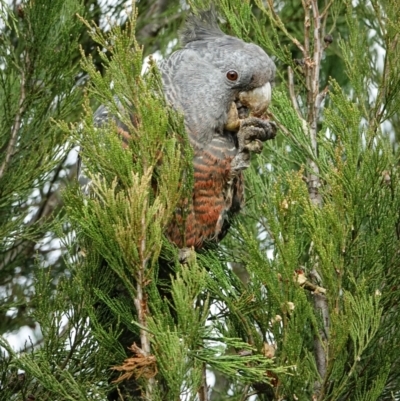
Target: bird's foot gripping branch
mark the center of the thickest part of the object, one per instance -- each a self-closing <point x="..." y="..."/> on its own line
<point x="253" y="132"/>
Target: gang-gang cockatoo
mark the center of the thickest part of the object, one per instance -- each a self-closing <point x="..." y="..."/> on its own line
<point x="223" y="86"/>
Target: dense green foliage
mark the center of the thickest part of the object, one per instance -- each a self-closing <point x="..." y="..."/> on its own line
<point x="37" y="85"/>
<point x="299" y="302"/>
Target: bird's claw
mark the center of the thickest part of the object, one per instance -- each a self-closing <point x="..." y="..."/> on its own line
<point x="252" y="133"/>
<point x="254" y="146"/>
<point x="255" y="129"/>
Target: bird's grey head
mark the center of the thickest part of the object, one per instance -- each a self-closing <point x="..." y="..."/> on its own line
<point x="245" y="65"/>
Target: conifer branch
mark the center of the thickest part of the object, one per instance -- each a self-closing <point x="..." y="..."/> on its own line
<point x="49" y="202"/>
<point x="312" y="65"/>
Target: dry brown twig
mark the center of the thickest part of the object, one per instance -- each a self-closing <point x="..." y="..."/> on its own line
<point x="301" y="279"/>
<point x="139" y="365"/>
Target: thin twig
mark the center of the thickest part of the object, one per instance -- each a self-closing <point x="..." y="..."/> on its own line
<point x="245" y="395"/>
<point x="308" y="285"/>
<point x="383" y="88"/>
<point x="292" y="92"/>
<point x="78" y="338"/>
<point x="153" y="25"/>
<point x="290" y="135"/>
<point x="16" y="125"/>
<point x="203" y="390"/>
<point x="250" y="395"/>
<point x="326" y="9"/>
<point x="307" y="24"/>
<point x="141" y="305"/>
<point x="317" y="54"/>
<point x="279" y="23"/>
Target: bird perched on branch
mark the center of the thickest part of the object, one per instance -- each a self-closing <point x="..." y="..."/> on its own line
<point x="223" y="86"/>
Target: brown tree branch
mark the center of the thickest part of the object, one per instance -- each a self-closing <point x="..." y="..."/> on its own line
<point x="321" y="347"/>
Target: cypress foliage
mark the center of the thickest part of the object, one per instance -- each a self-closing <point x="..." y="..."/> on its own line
<point x="37" y="85"/>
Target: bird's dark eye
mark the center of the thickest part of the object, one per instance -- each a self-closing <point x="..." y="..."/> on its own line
<point x="232" y="75"/>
